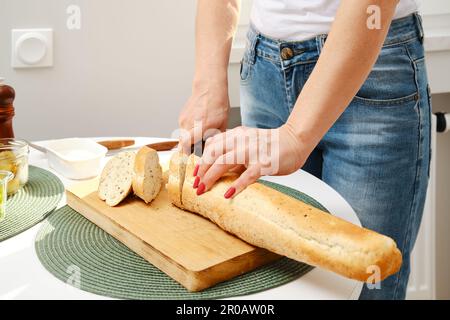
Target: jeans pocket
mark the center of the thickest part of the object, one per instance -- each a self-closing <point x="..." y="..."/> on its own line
<point x="412" y="98"/>
<point x="392" y="81"/>
<point x="245" y="70"/>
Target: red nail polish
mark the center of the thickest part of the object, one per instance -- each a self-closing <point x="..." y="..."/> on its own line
<point x="196" y="182"/>
<point x="230" y="193"/>
<point x="196" y="170"/>
<point x="201" y="189"/>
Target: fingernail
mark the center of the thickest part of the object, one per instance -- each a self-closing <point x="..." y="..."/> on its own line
<point x="196" y="182"/>
<point x="196" y="170"/>
<point x="230" y="193"/>
<point x="201" y="189"/>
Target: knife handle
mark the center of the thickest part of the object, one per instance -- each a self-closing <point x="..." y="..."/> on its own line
<point x="116" y="144"/>
<point x="163" y="146"/>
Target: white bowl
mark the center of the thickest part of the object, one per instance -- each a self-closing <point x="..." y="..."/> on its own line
<point x="76" y="158"/>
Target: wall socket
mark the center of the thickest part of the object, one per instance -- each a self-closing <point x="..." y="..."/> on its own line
<point x="32" y="48"/>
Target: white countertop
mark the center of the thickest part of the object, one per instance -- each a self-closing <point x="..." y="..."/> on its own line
<point x="23" y="277"/>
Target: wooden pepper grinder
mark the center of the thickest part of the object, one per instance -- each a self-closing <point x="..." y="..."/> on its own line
<point x="7" y="95"/>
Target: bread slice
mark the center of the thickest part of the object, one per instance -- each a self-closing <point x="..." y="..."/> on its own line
<point x="177" y="172"/>
<point x="272" y="220"/>
<point x="148" y="174"/>
<point x="116" y="178"/>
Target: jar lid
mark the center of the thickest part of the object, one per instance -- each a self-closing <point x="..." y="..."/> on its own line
<point x="19" y="148"/>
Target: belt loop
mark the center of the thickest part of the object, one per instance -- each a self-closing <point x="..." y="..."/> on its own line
<point x="419" y="25"/>
<point x="320" y="41"/>
<point x="252" y="42"/>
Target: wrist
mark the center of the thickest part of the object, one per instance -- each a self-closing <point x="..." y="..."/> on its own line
<point x="211" y="85"/>
<point x="305" y="139"/>
<point x="215" y="88"/>
<point x="211" y="78"/>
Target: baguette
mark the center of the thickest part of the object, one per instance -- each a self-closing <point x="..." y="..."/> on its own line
<point x="116" y="178"/>
<point x="279" y="223"/>
<point x="147" y="179"/>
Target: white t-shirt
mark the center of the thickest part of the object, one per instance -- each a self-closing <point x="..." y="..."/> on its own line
<point x="304" y="19"/>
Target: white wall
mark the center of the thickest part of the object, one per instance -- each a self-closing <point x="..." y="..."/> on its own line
<point x="441" y="103"/>
<point x="434" y="6"/>
<point x="437" y="23"/>
<point x="127" y="71"/>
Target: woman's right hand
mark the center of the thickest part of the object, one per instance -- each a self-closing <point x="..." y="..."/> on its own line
<point x="204" y="114"/>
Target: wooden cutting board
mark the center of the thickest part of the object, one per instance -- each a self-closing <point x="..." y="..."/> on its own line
<point x="188" y="248"/>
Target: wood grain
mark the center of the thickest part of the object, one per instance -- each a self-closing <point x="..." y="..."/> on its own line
<point x="190" y="249"/>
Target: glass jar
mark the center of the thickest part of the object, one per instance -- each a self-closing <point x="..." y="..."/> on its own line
<point x="5" y="177"/>
<point x="14" y="158"/>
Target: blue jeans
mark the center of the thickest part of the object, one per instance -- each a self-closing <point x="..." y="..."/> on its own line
<point x="377" y="154"/>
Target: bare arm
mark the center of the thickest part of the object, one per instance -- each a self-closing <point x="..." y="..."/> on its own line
<point x="208" y="105"/>
<point x="348" y="56"/>
<point x="215" y="27"/>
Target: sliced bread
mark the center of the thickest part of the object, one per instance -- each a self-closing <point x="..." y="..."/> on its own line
<point x="177" y="171"/>
<point x="148" y="178"/>
<point x="116" y="178"/>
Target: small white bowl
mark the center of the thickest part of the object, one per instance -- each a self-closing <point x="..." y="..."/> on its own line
<point x="76" y="158"/>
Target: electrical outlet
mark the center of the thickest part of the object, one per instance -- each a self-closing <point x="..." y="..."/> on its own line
<point x="32" y="48"/>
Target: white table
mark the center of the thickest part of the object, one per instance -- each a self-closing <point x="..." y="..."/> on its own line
<point x="23" y="277"/>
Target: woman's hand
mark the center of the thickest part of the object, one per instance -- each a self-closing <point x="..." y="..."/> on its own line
<point x="254" y="152"/>
<point x="205" y="114"/>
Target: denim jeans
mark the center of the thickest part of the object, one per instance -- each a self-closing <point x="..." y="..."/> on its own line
<point x="377" y="154"/>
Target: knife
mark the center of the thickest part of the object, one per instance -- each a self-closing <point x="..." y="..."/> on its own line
<point x="170" y="145"/>
<point x="113" y="145"/>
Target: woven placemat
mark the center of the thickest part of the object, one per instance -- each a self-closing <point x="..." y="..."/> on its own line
<point x="31" y="204"/>
<point x="79" y="253"/>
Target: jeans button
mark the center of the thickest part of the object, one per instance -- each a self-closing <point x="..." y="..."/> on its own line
<point x="287" y="53"/>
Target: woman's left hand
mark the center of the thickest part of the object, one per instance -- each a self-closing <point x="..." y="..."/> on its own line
<point x="251" y="152"/>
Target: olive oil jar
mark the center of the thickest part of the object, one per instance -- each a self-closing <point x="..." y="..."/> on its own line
<point x="14" y="159"/>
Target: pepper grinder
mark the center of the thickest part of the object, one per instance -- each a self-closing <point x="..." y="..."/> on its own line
<point x="7" y="95"/>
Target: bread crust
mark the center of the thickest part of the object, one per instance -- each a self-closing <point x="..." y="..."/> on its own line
<point x="272" y="220"/>
<point x="145" y="158"/>
<point x="177" y="169"/>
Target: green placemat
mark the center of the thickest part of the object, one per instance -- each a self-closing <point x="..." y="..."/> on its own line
<point x="79" y="253"/>
<point x="31" y="204"/>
